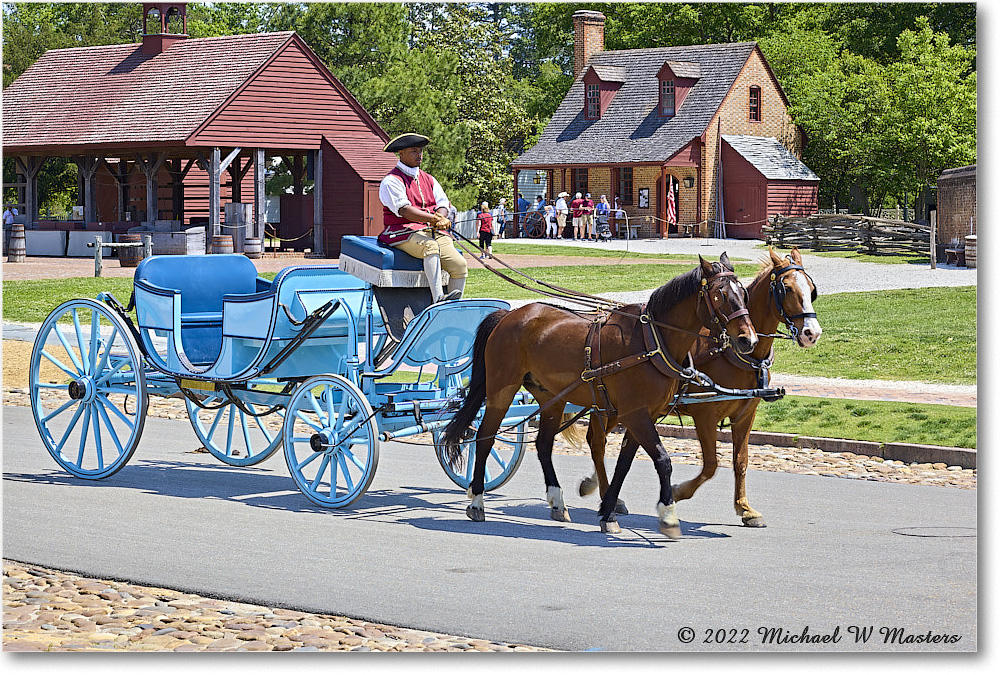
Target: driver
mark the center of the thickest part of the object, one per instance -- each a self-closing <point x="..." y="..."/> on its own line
<point x="414" y="210"/>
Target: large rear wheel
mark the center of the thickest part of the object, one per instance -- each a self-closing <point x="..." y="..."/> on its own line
<point x="88" y="389"/>
<point x="505" y="456"/>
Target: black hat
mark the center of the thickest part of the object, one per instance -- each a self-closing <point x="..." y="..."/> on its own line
<point x="404" y="141"/>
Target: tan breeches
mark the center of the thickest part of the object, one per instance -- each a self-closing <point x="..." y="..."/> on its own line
<point x="422" y="244"/>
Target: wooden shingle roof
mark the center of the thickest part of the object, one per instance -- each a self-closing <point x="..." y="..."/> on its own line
<point x="631" y="130"/>
<point x="770" y="157"/>
<point x="103" y="96"/>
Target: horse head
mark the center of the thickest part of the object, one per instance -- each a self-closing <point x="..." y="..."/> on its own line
<point x="794" y="291"/>
<point x="724" y="310"/>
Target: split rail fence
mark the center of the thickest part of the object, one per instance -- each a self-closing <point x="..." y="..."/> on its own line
<point x="849" y="232"/>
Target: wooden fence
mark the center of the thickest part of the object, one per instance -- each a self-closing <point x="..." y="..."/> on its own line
<point x="849" y="232"/>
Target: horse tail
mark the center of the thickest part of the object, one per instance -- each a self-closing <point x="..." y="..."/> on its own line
<point x="574" y="434"/>
<point x="476" y="394"/>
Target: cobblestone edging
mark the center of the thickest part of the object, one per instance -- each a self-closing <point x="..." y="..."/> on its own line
<point x="48" y="610"/>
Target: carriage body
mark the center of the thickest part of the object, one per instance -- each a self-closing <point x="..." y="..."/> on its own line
<point x="310" y="362"/>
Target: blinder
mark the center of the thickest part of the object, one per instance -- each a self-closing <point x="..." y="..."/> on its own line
<point x="779" y="291"/>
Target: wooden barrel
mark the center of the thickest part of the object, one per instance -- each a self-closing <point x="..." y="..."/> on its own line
<point x="131" y="256"/>
<point x="222" y="243"/>
<point x="970" y="251"/>
<point x="252" y="247"/>
<point x="15" y="250"/>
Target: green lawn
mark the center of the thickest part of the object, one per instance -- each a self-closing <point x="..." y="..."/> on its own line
<point x="926" y="334"/>
<point x="879" y="421"/>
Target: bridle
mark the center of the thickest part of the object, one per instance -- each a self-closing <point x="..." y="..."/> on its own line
<point x="778" y="292"/>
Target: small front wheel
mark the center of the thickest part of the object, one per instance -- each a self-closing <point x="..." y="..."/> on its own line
<point x="505" y="456"/>
<point x="238" y="433"/>
<point x="331" y="441"/>
<point x="88" y="388"/>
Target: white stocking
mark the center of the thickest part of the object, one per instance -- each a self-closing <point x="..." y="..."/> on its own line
<point x="432" y="269"/>
<point x="456" y="284"/>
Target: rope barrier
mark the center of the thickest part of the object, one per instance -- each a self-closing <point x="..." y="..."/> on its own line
<point x="268" y="234"/>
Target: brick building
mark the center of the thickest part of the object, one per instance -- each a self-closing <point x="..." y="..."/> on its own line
<point x="708" y="123"/>
<point x="956" y="206"/>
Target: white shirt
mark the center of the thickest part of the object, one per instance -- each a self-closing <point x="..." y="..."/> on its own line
<point x="392" y="192"/>
<point x="561" y="206"/>
<point x="8" y="216"/>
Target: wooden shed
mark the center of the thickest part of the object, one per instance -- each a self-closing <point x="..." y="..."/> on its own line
<point x="173" y="128"/>
<point x="956" y="206"/>
<point x="761" y="178"/>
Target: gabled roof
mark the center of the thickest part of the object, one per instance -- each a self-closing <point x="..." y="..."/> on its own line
<point x="116" y="94"/>
<point x="631" y="130"/>
<point x="609" y="73"/>
<point x="685" y="69"/>
<point x="770" y="157"/>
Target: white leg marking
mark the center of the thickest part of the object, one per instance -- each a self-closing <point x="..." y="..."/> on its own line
<point x="667" y="514"/>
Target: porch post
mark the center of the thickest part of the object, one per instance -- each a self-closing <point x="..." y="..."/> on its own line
<point x="318" y="201"/>
<point x="259" y="195"/>
<point x="214" y="179"/>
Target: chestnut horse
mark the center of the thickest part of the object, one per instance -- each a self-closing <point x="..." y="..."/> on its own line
<point x="628" y="354"/>
<point x="782" y="293"/>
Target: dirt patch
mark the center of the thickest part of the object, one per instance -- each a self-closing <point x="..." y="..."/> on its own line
<point x="17" y="361"/>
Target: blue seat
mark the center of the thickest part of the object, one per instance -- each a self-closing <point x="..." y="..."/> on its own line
<point x="369" y="251"/>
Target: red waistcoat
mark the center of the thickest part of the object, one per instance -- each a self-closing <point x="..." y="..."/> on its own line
<point x="420" y="192"/>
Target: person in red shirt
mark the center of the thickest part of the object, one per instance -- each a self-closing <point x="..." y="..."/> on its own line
<point x="588" y="218"/>
<point x="485" y="219"/>
<point x="414" y="210"/>
<point x="576" y="206"/>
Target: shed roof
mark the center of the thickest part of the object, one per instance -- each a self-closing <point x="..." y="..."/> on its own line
<point x="958" y="173"/>
<point x="631" y="130"/>
<point x="770" y="157"/>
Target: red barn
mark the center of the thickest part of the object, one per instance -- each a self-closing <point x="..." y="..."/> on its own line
<point x="173" y="128"/>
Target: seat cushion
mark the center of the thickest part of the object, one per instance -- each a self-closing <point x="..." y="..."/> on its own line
<point x="368" y="250"/>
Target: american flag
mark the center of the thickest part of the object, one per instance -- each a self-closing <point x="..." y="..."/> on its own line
<point x="671" y="206"/>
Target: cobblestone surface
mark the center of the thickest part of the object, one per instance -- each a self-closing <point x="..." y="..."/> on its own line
<point x="48" y="610"/>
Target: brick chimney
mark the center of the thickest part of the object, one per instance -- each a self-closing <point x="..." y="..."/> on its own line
<point x="588" y="37"/>
<point x="163" y="24"/>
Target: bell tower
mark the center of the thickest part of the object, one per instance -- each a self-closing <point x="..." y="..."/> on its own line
<point x="163" y="24"/>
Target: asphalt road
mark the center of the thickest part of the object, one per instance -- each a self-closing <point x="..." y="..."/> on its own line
<point x="837" y="553"/>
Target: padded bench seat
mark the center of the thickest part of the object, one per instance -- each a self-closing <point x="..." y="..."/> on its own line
<point x="383" y="266"/>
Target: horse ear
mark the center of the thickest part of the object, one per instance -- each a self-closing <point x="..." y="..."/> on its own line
<point x="724" y="259"/>
<point x="795" y="255"/>
<point x="775" y="258"/>
<point x="706" y="267"/>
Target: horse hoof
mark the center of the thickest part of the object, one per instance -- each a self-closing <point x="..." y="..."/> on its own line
<point x="475" y="515"/>
<point x="754" y="521"/>
<point x="587" y="486"/>
<point x="610" y="527"/>
<point x="620" y="508"/>
<point x="671" y="531"/>
<point x="561" y="515"/>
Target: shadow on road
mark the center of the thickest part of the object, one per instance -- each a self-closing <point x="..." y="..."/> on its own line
<point x="438" y="509"/>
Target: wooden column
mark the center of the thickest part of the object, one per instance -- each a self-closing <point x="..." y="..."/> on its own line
<point x="318" y="202"/>
<point x="29" y="167"/>
<point x="259" y="195"/>
<point x="87" y="168"/>
<point x="151" y="168"/>
<point x="214" y="180"/>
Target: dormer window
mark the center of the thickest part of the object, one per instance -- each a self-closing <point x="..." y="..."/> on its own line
<point x="599" y="85"/>
<point x="676" y="79"/>
<point x="593" y="101"/>
<point x="754" y="105"/>
<point x="667" y="98"/>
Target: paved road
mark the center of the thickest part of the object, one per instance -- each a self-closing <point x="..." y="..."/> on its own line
<point x="837" y="553"/>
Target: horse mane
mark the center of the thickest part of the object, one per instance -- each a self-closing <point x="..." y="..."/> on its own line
<point x="766" y="267"/>
<point x="673" y="292"/>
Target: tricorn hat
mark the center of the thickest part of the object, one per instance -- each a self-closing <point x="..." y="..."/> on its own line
<point x="404" y="141"/>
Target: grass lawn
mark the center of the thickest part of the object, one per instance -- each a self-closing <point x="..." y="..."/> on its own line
<point x="926" y="334"/>
<point x="879" y="421"/>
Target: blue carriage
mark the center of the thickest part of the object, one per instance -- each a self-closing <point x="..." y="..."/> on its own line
<point x="325" y="362"/>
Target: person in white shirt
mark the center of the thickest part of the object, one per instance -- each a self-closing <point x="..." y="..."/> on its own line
<point x="414" y="211"/>
<point x="8" y="214"/>
<point x="500" y="218"/>
<point x="562" y="208"/>
<point x="551" y="228"/>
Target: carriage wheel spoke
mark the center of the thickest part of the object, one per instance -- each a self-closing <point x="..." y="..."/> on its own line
<point x="333" y="480"/>
<point x="83" y="434"/>
<point x="99" y="446"/>
<point x="107" y="352"/>
<point x="69" y="352"/>
<point x="95" y="336"/>
<point x="311" y="457"/>
<point x="246" y="432"/>
<point x="314" y="404"/>
<point x="111" y="429"/>
<point x="70" y="427"/>
<point x="319" y="472"/>
<point x="300" y="415"/>
<point x="104" y="399"/>
<point x="108" y="375"/>
<point x="59" y="410"/>
<point x="346" y="471"/>
<point x="84" y="357"/>
<point x="229" y="438"/>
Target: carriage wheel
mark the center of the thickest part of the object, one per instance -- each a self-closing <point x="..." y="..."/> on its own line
<point x="331" y="441"/>
<point x="505" y="456"/>
<point x="534" y="225"/>
<point x="234" y="436"/>
<point x="88" y="389"/>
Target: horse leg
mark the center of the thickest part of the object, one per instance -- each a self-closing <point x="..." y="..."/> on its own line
<point x="547" y="428"/>
<point x="708" y="435"/>
<point x="597" y="436"/>
<point x="741" y="458"/>
<point x="608" y="519"/>
<point x="642" y="427"/>
<point x="492" y="419"/>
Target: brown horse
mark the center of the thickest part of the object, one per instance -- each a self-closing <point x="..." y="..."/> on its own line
<point x="631" y="354"/>
<point x="781" y="293"/>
